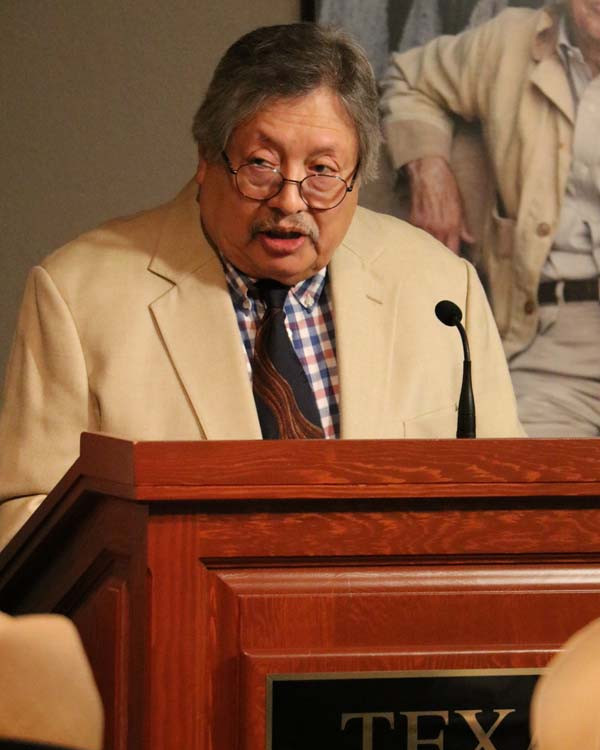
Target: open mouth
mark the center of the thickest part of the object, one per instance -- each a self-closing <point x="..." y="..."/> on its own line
<point x="279" y="234"/>
<point x="281" y="241"/>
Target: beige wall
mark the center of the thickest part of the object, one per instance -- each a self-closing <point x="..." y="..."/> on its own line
<point x="97" y="100"/>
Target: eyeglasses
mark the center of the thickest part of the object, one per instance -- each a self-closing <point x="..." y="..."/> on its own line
<point x="261" y="183"/>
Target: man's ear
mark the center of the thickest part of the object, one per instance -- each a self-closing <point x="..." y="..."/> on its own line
<point x="201" y="170"/>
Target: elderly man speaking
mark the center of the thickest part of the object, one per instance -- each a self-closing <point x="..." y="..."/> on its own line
<point x="260" y="302"/>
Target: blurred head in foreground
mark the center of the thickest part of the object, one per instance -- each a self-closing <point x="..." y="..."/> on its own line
<point x="47" y="691"/>
<point x="564" y="710"/>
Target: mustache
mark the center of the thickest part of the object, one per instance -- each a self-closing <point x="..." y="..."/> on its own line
<point x="299" y="223"/>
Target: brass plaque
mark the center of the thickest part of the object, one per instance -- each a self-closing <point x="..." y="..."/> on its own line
<point x="431" y="710"/>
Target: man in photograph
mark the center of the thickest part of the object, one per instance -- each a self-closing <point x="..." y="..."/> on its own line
<point x="530" y="78"/>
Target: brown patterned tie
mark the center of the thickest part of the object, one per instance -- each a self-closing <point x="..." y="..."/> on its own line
<point x="285" y="401"/>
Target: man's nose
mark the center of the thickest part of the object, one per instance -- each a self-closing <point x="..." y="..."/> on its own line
<point x="288" y="199"/>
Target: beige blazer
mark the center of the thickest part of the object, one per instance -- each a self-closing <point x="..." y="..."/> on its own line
<point x="47" y="690"/>
<point x="130" y="330"/>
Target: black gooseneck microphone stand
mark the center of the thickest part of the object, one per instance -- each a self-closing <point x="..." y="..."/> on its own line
<point x="450" y="314"/>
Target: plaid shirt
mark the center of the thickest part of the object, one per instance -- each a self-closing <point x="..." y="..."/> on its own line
<point x="309" y="323"/>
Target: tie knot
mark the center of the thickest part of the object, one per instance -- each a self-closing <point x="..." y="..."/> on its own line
<point x="272" y="293"/>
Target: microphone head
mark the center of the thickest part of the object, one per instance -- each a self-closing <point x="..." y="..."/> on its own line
<point x="448" y="313"/>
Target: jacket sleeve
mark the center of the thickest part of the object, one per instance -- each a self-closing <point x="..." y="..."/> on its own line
<point x="46" y="403"/>
<point x="424" y="88"/>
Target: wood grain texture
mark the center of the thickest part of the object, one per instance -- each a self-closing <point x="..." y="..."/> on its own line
<point x="348" y="463"/>
<point x="194" y="570"/>
<point x="270" y="535"/>
<point x="178" y="643"/>
<point x="342" y="620"/>
<point x="381" y="591"/>
<point x="106" y="612"/>
<point x="341" y="492"/>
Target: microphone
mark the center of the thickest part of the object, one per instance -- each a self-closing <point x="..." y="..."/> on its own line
<point x="451" y="315"/>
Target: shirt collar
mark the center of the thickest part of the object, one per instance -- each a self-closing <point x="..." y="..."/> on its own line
<point x="572" y="59"/>
<point x="564" y="44"/>
<point x="307" y="292"/>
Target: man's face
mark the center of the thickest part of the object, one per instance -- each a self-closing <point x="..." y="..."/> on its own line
<point x="282" y="238"/>
<point x="585" y="15"/>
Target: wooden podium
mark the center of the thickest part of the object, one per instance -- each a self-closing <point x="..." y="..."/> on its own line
<point x="194" y="570"/>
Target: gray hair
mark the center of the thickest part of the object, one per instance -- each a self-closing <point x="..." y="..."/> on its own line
<point x="289" y="61"/>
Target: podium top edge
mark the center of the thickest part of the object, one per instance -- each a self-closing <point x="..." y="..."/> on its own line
<point x="339" y="462"/>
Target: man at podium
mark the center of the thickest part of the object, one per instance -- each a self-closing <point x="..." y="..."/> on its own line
<point x="261" y="301"/>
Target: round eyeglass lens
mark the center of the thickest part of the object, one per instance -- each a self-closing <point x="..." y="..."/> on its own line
<point x="323" y="191"/>
<point x="258" y="182"/>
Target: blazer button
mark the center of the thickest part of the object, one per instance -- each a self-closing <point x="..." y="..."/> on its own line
<point x="543" y="229"/>
<point x="529" y="307"/>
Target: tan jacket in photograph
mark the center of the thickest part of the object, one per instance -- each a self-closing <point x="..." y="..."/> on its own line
<point x="507" y="75"/>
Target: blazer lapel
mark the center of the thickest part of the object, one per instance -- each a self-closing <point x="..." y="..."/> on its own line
<point x="364" y="315"/>
<point x="197" y="323"/>
<point x="549" y="77"/>
<point x="549" y="73"/>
